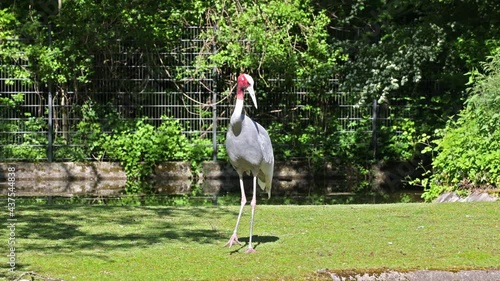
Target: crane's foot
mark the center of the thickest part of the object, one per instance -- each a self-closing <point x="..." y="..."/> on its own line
<point x="232" y="240"/>
<point x="250" y="250"/>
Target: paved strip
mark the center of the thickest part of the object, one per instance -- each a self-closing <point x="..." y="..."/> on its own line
<point x="420" y="275"/>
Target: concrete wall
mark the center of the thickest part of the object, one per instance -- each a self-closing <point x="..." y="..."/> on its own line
<point x="63" y="179"/>
<point x="107" y="178"/>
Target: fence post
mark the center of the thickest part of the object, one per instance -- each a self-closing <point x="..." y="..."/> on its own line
<point x="214" y="123"/>
<point x="50" y="137"/>
<point x="374" y="128"/>
<point x="214" y="103"/>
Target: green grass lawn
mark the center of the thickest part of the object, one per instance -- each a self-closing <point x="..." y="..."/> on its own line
<point x="292" y="242"/>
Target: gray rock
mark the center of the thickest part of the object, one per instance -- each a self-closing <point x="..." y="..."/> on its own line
<point x="473" y="197"/>
<point x="448" y="197"/>
<point x="480" y="197"/>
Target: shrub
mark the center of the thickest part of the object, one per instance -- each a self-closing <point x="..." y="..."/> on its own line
<point x="469" y="150"/>
<point x="139" y="147"/>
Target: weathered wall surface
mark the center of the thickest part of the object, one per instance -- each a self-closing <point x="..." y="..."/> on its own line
<point x="289" y="177"/>
<point x="64" y="171"/>
<point x="63" y="179"/>
<point x="107" y="178"/>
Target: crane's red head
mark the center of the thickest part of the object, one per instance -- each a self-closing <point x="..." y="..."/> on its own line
<point x="245" y="82"/>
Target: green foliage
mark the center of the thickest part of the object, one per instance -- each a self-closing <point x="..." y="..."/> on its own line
<point x="287" y="37"/>
<point x="402" y="140"/>
<point x="141" y="146"/>
<point x="89" y="130"/>
<point x="288" y="145"/>
<point x="355" y="145"/>
<point x="13" y="101"/>
<point x="319" y="145"/>
<point x="273" y="39"/>
<point x="8" y="36"/>
<point x="199" y="149"/>
<point x="469" y="151"/>
<point x="397" y="47"/>
<point x="398" y="60"/>
<point x="30" y="141"/>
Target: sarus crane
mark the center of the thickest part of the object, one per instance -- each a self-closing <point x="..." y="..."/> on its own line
<point x="250" y="150"/>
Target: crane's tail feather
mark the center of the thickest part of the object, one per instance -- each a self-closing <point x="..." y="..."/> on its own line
<point x="262" y="184"/>
<point x="265" y="178"/>
<point x="264" y="187"/>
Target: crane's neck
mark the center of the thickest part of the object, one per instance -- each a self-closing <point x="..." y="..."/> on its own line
<point x="238" y="116"/>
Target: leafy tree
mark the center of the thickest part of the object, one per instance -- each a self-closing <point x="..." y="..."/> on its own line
<point x="285" y="42"/>
<point x="412" y="52"/>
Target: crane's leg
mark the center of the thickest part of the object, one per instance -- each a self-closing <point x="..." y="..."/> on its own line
<point x="234" y="237"/>
<point x="253" y="203"/>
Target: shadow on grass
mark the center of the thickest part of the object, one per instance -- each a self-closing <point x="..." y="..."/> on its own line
<point x="96" y="230"/>
<point x="257" y="241"/>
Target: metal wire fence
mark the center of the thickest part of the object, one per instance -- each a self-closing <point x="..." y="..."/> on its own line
<point x="134" y="84"/>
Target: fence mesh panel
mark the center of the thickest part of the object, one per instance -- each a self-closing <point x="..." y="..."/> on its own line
<point x="135" y="83"/>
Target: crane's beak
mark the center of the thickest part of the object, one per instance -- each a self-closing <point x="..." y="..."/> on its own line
<point x="252" y="94"/>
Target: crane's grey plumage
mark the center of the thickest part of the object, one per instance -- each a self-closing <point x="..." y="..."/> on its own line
<point x="250" y="150"/>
